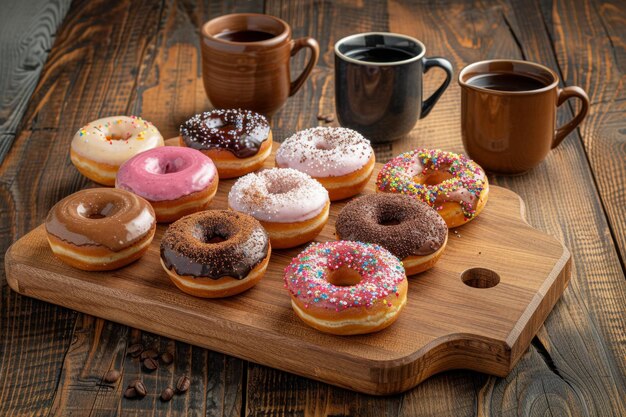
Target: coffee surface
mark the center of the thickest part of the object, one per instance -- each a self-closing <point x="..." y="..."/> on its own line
<point x="503" y="81"/>
<point x="379" y="54"/>
<point x="245" y="36"/>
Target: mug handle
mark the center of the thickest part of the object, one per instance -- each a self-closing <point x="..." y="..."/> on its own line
<point x="562" y="96"/>
<point x="444" y="64"/>
<point x="296" y="45"/>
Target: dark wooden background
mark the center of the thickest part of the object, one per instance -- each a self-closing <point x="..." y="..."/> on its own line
<point x="142" y="57"/>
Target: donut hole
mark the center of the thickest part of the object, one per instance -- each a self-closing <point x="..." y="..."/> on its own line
<point x="389" y="216"/>
<point x="215" y="239"/>
<point x="323" y="145"/>
<point x="344" y="276"/>
<point x="97" y="211"/>
<point x="433" y="177"/>
<point x="279" y="187"/>
<point x="113" y="136"/>
<point x="211" y="235"/>
<point x="164" y="167"/>
<point x="480" y="278"/>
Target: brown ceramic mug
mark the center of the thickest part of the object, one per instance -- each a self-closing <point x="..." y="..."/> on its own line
<point x="508" y="113"/>
<point x="245" y="61"/>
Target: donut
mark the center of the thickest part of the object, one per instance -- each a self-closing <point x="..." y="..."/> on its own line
<point x="99" y="148"/>
<point x="346" y="288"/>
<point x="238" y="141"/>
<point x="100" y="229"/>
<point x="408" y="228"/>
<point x="339" y="158"/>
<point x="453" y="184"/>
<point x="215" y="253"/>
<point x="290" y="205"/>
<point x="176" y="181"/>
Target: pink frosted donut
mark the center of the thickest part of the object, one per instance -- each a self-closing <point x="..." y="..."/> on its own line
<point x="339" y="158"/>
<point x="346" y="287"/>
<point x="176" y="181"/>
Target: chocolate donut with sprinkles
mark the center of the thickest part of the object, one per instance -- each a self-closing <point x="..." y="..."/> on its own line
<point x="238" y="141"/>
<point x="215" y="253"/>
<point x="410" y="229"/>
<point x="341" y="159"/>
<point x="346" y="288"/>
<point x="453" y="184"/>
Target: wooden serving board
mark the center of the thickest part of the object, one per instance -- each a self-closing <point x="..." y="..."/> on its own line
<point x="446" y="323"/>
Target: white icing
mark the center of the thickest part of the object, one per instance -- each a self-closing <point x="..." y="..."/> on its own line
<point x="325" y="151"/>
<point x="136" y="135"/>
<point x="279" y="195"/>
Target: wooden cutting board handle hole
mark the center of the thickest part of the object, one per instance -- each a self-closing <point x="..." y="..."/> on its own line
<point x="480" y="278"/>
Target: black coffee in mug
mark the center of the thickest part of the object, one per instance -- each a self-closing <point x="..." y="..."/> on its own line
<point x="503" y="81"/>
<point x="245" y="36"/>
<point x="380" y="54"/>
<point x="378" y="84"/>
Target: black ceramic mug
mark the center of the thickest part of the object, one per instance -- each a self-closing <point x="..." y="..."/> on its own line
<point x="378" y="84"/>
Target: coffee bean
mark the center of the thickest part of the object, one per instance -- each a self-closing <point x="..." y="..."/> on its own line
<point x="150" y="353"/>
<point x="321" y="116"/>
<point x="133" y="383"/>
<point x="167" y="358"/>
<point x="135" y="350"/>
<point x="150" y="364"/>
<point x="112" y="376"/>
<point x="183" y="384"/>
<point x="130" y="392"/>
<point x="140" y="389"/>
<point x="167" y="394"/>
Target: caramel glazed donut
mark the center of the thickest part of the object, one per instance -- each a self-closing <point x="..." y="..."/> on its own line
<point x="291" y="206"/>
<point x="346" y="288"/>
<point x="215" y="253"/>
<point x="339" y="158"/>
<point x="238" y="141"/>
<point x="99" y="148"/>
<point x="100" y="229"/>
<point x="454" y="185"/>
<point x="408" y="228"/>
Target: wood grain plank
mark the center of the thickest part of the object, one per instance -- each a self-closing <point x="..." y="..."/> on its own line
<point x="466" y="33"/>
<point x="589" y="43"/>
<point x="27" y="32"/>
<point x="100" y="66"/>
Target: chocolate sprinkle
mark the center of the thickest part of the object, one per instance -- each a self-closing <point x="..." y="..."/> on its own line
<point x="239" y="131"/>
<point x="397" y="222"/>
<point x="187" y="245"/>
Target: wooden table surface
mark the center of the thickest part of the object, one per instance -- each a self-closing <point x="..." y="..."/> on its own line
<point x="113" y="57"/>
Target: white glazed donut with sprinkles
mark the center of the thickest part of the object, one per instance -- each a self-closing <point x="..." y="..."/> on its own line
<point x="341" y="159"/>
<point x="100" y="147"/>
<point x="346" y="287"/>
<point x="291" y="205"/>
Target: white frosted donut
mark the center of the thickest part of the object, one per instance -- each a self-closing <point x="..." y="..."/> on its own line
<point x="279" y="195"/>
<point x="325" y="151"/>
<point x="114" y="140"/>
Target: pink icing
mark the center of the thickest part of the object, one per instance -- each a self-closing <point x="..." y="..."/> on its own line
<point x="306" y="277"/>
<point x="166" y="173"/>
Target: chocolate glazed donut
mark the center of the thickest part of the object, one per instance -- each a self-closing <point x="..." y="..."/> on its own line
<point x="100" y="229"/>
<point x="410" y="229"/>
<point x="239" y="131"/>
<point x="215" y="253"/>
